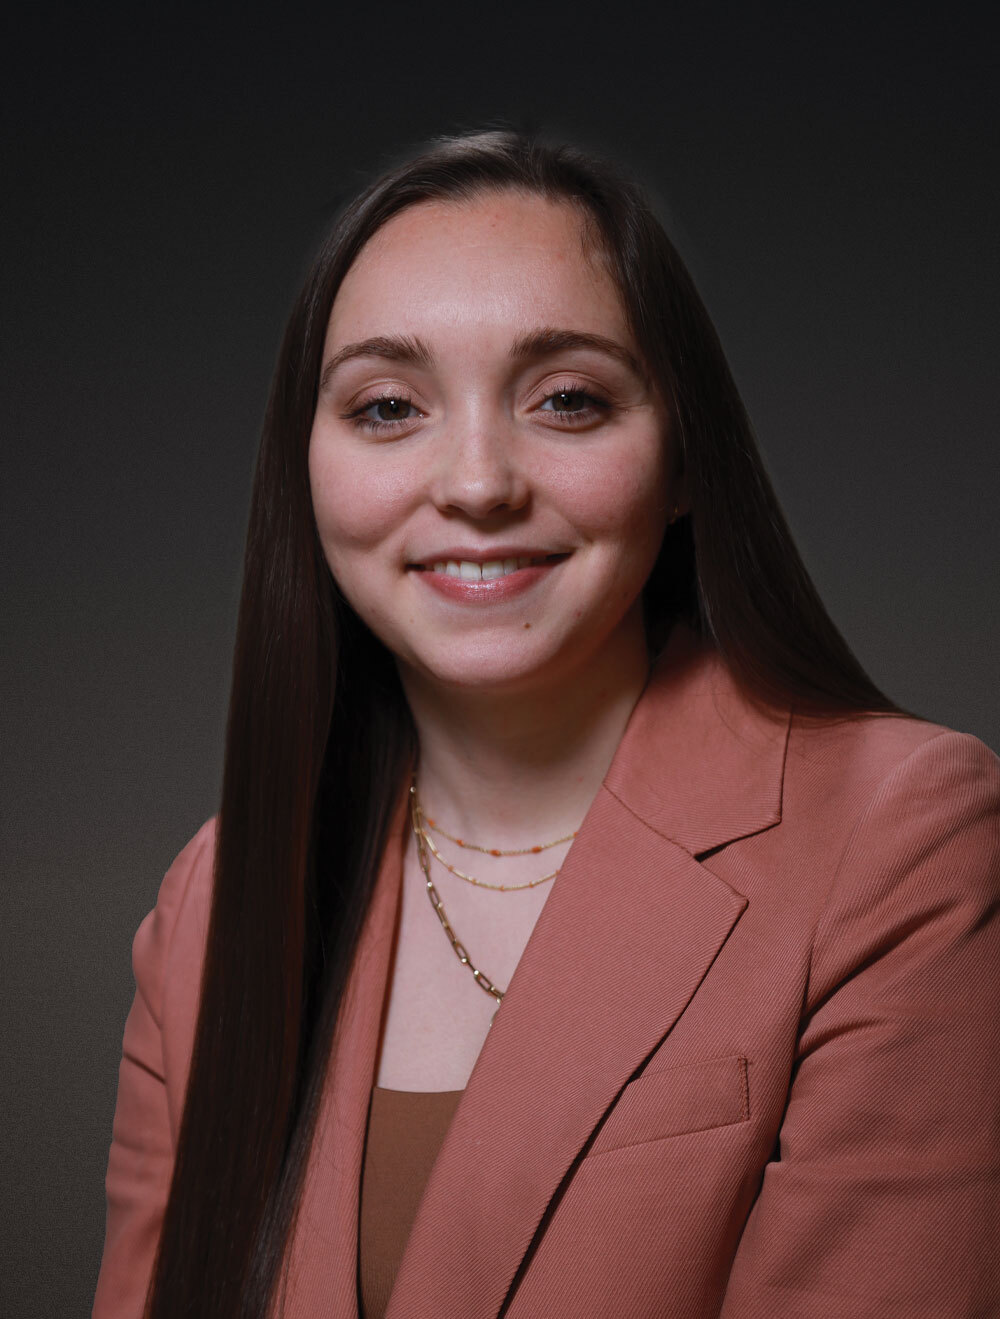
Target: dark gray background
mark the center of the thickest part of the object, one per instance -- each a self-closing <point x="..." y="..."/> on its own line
<point x="830" y="174"/>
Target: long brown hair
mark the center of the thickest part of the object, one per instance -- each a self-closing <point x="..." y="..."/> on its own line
<point x="319" y="735"/>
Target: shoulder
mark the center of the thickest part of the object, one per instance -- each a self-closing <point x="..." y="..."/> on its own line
<point x="887" y="823"/>
<point x="905" y="816"/>
<point x="184" y="892"/>
<point x="167" y="956"/>
<point x="890" y="765"/>
<point x="190" y="869"/>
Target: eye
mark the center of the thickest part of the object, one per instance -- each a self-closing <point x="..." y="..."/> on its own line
<point x="572" y="406"/>
<point x="568" y="400"/>
<point x="384" y="412"/>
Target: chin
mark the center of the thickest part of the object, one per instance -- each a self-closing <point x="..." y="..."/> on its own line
<point x="491" y="669"/>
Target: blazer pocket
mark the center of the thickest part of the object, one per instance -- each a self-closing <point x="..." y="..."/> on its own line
<point x="687" y="1098"/>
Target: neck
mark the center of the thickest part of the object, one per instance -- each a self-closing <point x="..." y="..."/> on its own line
<point x="516" y="768"/>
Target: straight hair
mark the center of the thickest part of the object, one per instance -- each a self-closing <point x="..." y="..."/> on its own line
<point x="320" y="740"/>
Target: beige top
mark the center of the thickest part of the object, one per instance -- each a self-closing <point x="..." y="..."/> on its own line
<point x="405" y="1131"/>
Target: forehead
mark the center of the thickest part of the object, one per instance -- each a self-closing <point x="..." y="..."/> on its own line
<point x="508" y="260"/>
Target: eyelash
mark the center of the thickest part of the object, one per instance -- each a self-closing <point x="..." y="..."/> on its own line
<point x="378" y="425"/>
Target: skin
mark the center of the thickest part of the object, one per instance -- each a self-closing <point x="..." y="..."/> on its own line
<point x="519" y="702"/>
<point x="481" y="456"/>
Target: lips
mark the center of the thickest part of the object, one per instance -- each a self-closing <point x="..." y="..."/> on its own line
<point x="486" y="570"/>
<point x="495" y="579"/>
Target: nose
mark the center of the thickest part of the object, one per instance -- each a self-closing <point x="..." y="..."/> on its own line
<point x="478" y="473"/>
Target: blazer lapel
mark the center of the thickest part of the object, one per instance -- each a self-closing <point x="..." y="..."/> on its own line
<point x="630" y="928"/>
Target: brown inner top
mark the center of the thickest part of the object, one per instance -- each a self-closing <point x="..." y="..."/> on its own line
<point x="406" y="1129"/>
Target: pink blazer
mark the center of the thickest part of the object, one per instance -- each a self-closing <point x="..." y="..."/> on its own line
<point x="748" y="1061"/>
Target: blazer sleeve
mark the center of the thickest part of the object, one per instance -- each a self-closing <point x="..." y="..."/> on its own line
<point x="141" y="1159"/>
<point x="883" y="1198"/>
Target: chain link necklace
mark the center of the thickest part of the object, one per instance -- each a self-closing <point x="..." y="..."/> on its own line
<point x="483" y="981"/>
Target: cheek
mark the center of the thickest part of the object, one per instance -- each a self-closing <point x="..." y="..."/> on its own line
<point x="357" y="509"/>
<point x="621" y="498"/>
<point x="357" y="504"/>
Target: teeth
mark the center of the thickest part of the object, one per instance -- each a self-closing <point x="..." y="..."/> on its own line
<point x="469" y="571"/>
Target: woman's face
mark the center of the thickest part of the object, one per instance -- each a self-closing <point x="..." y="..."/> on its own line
<point x="491" y="472"/>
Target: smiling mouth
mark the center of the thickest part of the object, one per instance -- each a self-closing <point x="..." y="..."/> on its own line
<point x="470" y="571"/>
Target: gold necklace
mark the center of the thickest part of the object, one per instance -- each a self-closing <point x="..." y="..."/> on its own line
<point x="471" y="879"/>
<point x="494" y="851"/>
<point x="483" y="981"/>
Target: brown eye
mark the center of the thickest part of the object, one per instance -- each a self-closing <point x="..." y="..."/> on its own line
<point x="392" y="409"/>
<point x="569" y="401"/>
<point x="383" y="414"/>
<point x="574" y="406"/>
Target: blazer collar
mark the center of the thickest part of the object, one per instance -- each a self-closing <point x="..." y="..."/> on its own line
<point x="700" y="762"/>
<point x="630" y="928"/>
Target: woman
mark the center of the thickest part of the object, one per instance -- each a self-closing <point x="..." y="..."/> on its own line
<point x="519" y="603"/>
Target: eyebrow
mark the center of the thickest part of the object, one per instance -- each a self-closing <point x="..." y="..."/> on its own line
<point x="394" y="348"/>
<point x="544" y="342"/>
<point x="526" y="347"/>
